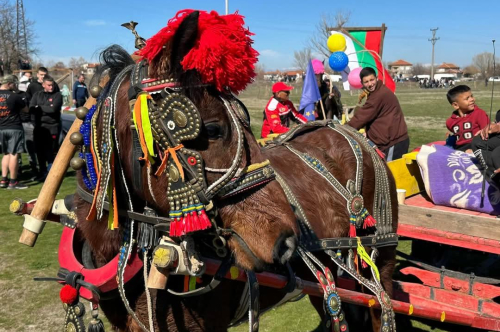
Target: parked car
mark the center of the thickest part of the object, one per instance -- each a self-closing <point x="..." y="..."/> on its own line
<point x="67" y="120"/>
<point x="494" y="79"/>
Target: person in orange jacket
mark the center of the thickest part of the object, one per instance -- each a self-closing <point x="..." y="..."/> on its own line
<point x="279" y="111"/>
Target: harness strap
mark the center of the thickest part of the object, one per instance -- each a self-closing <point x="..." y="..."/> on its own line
<point x="247" y="181"/>
<point x="376" y="241"/>
<point x="153" y="220"/>
<point x="218" y="276"/>
<point x="253" y="303"/>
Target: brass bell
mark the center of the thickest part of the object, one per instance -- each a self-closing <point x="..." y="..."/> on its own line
<point x="76" y="138"/>
<point x="77" y="163"/>
<point x="81" y="112"/>
<point x="95" y="91"/>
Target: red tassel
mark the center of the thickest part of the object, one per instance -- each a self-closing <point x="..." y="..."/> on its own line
<point x="352" y="230"/>
<point x="195" y="220"/>
<point x="68" y="294"/>
<point x="223" y="53"/>
<point x="363" y="264"/>
<point x="369" y="221"/>
<point x="204" y="221"/>
<point x="189" y="223"/>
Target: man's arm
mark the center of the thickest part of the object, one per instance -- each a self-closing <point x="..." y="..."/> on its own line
<point x="74" y="91"/>
<point x="299" y="118"/>
<point x="55" y="106"/>
<point x="364" y="115"/>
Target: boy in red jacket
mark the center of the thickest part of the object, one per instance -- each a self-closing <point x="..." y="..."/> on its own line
<point x="467" y="119"/>
<point x="279" y="111"/>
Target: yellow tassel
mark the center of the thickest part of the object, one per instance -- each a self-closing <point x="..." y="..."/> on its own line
<point x="366" y="258"/>
<point x="146" y="125"/>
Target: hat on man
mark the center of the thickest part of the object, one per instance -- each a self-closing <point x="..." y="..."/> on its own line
<point x="8" y="79"/>
<point x="280" y="86"/>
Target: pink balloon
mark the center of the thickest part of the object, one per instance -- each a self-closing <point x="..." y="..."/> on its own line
<point x="354" y="79"/>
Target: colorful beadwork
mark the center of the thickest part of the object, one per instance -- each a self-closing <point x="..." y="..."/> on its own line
<point x="89" y="174"/>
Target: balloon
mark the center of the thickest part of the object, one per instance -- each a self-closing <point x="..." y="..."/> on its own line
<point x="338" y="61"/>
<point x="336" y="43"/>
<point x="354" y="79"/>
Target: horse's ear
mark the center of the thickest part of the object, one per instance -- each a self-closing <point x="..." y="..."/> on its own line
<point x="184" y="40"/>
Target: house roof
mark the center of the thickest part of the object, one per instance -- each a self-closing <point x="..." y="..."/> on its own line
<point x="400" y="62"/>
<point x="92" y="65"/>
<point x="445" y="65"/>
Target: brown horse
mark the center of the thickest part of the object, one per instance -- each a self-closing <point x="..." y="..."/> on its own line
<point x="263" y="226"/>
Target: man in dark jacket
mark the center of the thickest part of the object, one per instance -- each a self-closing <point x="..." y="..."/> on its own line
<point x="11" y="131"/>
<point x="80" y="92"/>
<point x="46" y="106"/>
<point x="36" y="85"/>
<point x="382" y="116"/>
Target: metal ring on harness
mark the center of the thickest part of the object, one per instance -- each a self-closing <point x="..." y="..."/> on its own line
<point x="104" y="278"/>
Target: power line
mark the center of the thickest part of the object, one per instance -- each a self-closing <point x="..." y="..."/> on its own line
<point x="433" y="40"/>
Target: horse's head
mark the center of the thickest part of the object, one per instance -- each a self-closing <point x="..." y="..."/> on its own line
<point x="200" y="139"/>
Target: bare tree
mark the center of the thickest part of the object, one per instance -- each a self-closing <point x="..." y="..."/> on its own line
<point x="470" y="71"/>
<point x="302" y="58"/>
<point x="77" y="65"/>
<point x="9" y="51"/>
<point x="420" y="69"/>
<point x="259" y="70"/>
<point x="323" y="27"/>
<point x="484" y="63"/>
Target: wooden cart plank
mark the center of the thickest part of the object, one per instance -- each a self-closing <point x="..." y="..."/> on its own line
<point x="450" y="221"/>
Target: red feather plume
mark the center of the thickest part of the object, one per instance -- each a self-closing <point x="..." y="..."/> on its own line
<point x="223" y="54"/>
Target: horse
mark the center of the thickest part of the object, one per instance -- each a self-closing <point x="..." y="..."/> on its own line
<point x="213" y="146"/>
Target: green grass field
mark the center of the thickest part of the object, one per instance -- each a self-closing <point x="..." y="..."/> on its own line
<point x="27" y="305"/>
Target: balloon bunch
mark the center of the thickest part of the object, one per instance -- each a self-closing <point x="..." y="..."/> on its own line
<point x="338" y="60"/>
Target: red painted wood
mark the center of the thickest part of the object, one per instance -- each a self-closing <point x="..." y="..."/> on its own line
<point x="420" y="305"/>
<point x="104" y="277"/>
<point x="432" y="279"/>
<point x="449" y="238"/>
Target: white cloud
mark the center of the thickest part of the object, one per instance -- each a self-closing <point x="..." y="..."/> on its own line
<point x="94" y="23"/>
<point x="270" y="53"/>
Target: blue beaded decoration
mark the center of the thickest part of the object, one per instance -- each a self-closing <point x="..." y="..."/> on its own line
<point x="89" y="174"/>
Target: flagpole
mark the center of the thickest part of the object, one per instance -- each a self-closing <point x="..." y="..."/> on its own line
<point x="322" y="109"/>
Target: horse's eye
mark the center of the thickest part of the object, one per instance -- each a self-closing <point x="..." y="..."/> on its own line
<point x="214" y="131"/>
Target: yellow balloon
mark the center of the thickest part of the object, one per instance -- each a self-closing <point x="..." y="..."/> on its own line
<point x="336" y="43"/>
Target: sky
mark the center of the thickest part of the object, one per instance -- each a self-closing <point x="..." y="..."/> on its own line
<point x="68" y="29"/>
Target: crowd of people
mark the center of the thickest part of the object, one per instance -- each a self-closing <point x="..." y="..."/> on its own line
<point x="381" y="114"/>
<point x="444" y="83"/>
<point x="30" y="121"/>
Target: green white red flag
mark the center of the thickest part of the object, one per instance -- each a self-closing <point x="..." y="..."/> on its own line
<point x="363" y="49"/>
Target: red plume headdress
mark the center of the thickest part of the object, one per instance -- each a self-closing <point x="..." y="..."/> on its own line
<point x="223" y="54"/>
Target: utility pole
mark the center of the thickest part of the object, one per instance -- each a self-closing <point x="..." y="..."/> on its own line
<point x="227" y="7"/>
<point x="433" y="40"/>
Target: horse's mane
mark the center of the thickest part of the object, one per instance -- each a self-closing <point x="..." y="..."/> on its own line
<point x="112" y="61"/>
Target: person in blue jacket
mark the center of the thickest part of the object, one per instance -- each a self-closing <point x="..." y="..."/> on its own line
<point x="80" y="92"/>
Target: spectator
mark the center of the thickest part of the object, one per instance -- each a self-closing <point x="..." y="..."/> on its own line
<point x="467" y="119"/>
<point x="36" y="86"/>
<point x="279" y="110"/>
<point x="24" y="81"/>
<point x="80" y="92"/>
<point x="382" y="116"/>
<point x="65" y="94"/>
<point x="1" y="67"/>
<point x="11" y="131"/>
<point x="46" y="108"/>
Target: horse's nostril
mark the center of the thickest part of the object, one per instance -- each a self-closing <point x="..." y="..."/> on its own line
<point x="284" y="248"/>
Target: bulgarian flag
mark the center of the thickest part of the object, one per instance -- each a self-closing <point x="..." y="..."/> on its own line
<point x="363" y="49"/>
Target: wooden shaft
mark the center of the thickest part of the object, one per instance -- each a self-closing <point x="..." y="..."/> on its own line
<point x="322" y="109"/>
<point x="158" y="277"/>
<point x="52" y="183"/>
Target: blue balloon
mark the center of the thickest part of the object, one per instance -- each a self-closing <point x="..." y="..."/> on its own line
<point x="338" y="61"/>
